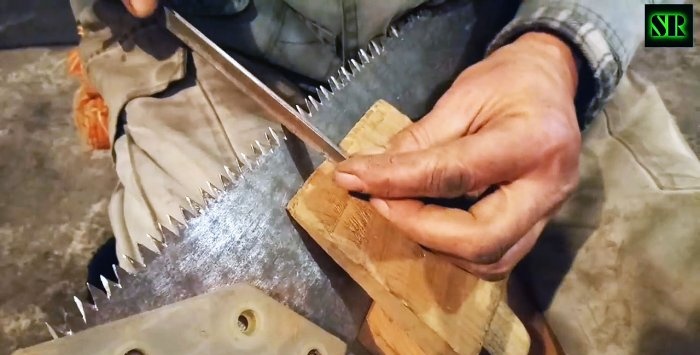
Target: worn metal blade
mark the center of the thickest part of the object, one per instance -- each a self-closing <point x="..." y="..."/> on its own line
<point x="245" y="234"/>
<point x="248" y="83"/>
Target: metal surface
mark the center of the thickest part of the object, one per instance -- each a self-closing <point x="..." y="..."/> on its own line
<point x="232" y="320"/>
<point x="248" y="83"/>
<point x="244" y="233"/>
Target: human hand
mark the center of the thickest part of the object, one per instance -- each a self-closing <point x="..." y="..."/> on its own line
<point x="141" y="8"/>
<point x="508" y="121"/>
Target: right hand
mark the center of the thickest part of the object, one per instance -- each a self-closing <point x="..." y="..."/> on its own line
<point x="141" y="8"/>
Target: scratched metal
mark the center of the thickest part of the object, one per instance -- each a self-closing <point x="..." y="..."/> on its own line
<point x="247" y="236"/>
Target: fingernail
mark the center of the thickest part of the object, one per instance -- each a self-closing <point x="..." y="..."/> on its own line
<point x="380" y="205"/>
<point x="349" y="182"/>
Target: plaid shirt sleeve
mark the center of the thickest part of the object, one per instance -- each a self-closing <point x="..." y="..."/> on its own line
<point x="603" y="33"/>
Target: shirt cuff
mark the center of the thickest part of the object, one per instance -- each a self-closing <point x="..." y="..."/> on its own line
<point x="590" y="38"/>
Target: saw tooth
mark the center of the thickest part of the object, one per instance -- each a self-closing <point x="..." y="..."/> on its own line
<point x="167" y="235"/>
<point x="122" y="275"/>
<point x="108" y="285"/>
<point x="364" y="57"/>
<point x="375" y="48"/>
<point x="63" y="330"/>
<point x="187" y="214"/>
<point x="196" y="207"/>
<point x="325" y="92"/>
<point x="85" y="308"/>
<point x="302" y="113"/>
<point x="356" y="65"/>
<point x="272" y="137"/>
<point x="310" y="105"/>
<point x="177" y="225"/>
<point x="314" y="102"/>
<point x="135" y="264"/>
<point x="393" y="32"/>
<point x="206" y="197"/>
<point x="243" y="162"/>
<point x="263" y="149"/>
<point x="346" y="73"/>
<point x="98" y="296"/>
<point x="216" y="192"/>
<point x="258" y="148"/>
<point x="52" y="331"/>
<point x="147" y="255"/>
<point x="160" y="245"/>
<point x="226" y="183"/>
<point x="75" y="322"/>
<point x="335" y="84"/>
<point x="232" y="175"/>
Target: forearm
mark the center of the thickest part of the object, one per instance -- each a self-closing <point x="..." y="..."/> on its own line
<point x="604" y="33"/>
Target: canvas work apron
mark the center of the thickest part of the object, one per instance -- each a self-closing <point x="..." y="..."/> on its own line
<point x="615" y="271"/>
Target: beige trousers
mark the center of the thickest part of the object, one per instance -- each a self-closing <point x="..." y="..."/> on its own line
<point x="617" y="270"/>
<point x="173" y="146"/>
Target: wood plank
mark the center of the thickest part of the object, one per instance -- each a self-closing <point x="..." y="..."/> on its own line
<point x="382" y="335"/>
<point x="434" y="301"/>
<point x="506" y="334"/>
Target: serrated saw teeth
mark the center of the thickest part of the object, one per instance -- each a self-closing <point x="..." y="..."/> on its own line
<point x="168" y="235"/>
<point x="177" y="225"/>
<point x="99" y="298"/>
<point x="147" y="255"/>
<point x="81" y="309"/>
<point x="194" y="206"/>
<point x="52" y="331"/>
<point x="206" y="197"/>
<point x="335" y="84"/>
<point x="356" y="65"/>
<point x="243" y="162"/>
<point x="135" y="265"/>
<point x="216" y="192"/>
<point x="159" y="245"/>
<point x="232" y="174"/>
<point x="325" y="92"/>
<point x="375" y="48"/>
<point x="273" y="137"/>
<point x="226" y="183"/>
<point x="187" y="214"/>
<point x="346" y="73"/>
<point x="364" y="57"/>
<point x="393" y="32"/>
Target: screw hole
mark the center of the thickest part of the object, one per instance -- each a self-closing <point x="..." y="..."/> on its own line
<point x="314" y="352"/>
<point x="135" y="352"/>
<point x="246" y="322"/>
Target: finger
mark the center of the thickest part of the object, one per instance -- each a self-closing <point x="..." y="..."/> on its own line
<point x="501" y="268"/>
<point x="467" y="164"/>
<point x="449" y="119"/>
<point x="141" y="8"/>
<point x="481" y="235"/>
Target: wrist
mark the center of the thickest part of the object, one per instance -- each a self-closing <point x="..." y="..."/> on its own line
<point x="556" y="54"/>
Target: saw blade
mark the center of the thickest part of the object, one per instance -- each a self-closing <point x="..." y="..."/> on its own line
<point x="244" y="234"/>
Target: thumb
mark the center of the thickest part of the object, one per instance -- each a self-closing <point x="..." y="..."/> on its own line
<point x="141" y="8"/>
<point x="449" y="170"/>
<point x="432" y="172"/>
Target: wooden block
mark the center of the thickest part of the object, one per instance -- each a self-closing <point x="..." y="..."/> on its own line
<point x="441" y="308"/>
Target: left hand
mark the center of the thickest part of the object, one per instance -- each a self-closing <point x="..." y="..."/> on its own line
<point x="508" y="121"/>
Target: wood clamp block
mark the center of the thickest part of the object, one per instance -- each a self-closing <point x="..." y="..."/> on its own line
<point x="423" y="304"/>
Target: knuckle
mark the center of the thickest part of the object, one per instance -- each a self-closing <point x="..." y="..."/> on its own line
<point x="414" y="137"/>
<point x="446" y="179"/>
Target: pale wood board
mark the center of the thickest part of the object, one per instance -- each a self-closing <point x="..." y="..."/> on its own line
<point x="441" y="308"/>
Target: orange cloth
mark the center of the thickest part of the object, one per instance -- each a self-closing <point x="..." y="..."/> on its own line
<point x="90" y="112"/>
